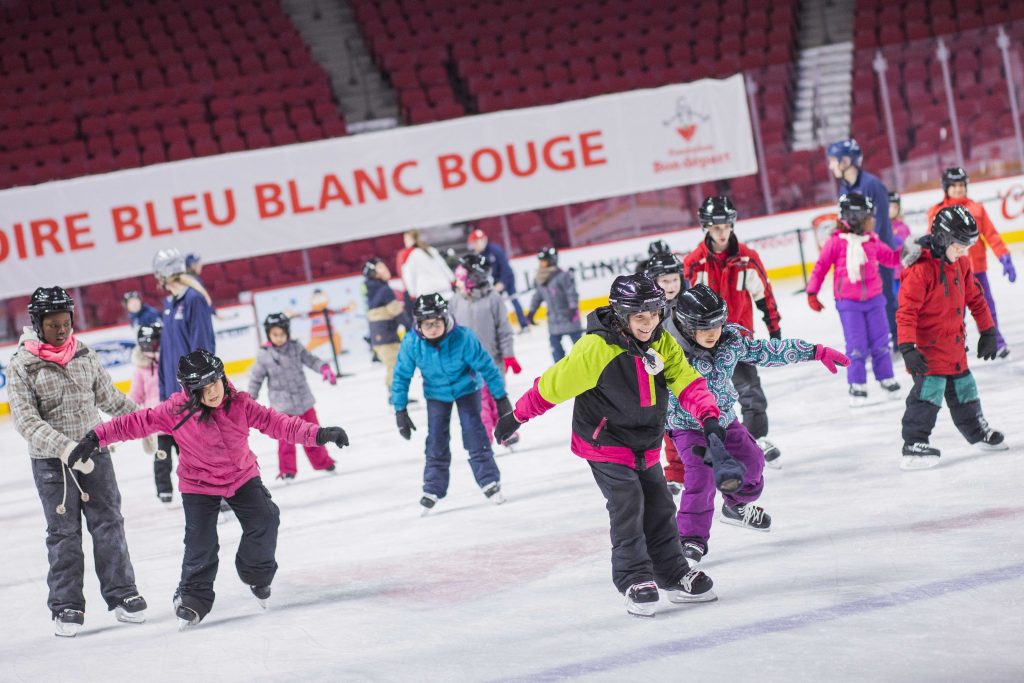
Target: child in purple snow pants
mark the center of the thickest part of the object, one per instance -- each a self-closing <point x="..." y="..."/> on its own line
<point x="866" y="331"/>
<point x="697" y="505"/>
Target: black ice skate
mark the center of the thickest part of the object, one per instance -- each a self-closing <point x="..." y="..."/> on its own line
<point x="891" y="388"/>
<point x="187" y="617"/>
<point x="919" y="456"/>
<point x="641" y="598"/>
<point x="693" y="551"/>
<point x="993" y="441"/>
<point x="493" y="492"/>
<point x="286" y="477"/>
<point x="262" y="594"/>
<point x="67" y="622"/>
<point x="511" y="441"/>
<point x="131" y="609"/>
<point x="858" y="395"/>
<point x="749" y="516"/>
<point x="165" y="497"/>
<point x="427" y="503"/>
<point x="695" y="586"/>
<point x="771" y="453"/>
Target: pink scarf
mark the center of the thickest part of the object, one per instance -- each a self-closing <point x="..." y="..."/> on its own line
<point x="61" y="355"/>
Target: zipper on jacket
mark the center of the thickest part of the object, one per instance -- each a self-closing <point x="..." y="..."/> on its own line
<point x="597" y="432"/>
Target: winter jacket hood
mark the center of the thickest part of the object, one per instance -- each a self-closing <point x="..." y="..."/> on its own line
<point x="214" y="455"/>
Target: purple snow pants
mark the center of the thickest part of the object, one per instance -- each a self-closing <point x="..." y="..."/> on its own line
<point x="867" y="333"/>
<point x="697" y="504"/>
<point x="987" y="291"/>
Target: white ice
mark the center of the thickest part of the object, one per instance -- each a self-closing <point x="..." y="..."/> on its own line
<point x="869" y="573"/>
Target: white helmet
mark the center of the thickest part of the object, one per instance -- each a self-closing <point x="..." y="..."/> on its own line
<point x="168" y="263"/>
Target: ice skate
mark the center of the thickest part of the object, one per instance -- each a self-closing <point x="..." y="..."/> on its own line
<point x="749" y="516"/>
<point x="187" y="617"/>
<point x="641" y="599"/>
<point x="891" y="388"/>
<point x="771" y="453"/>
<point x="919" y="456"/>
<point x="674" y="487"/>
<point x="511" y="441"/>
<point x="262" y="594"/>
<point x="493" y="492"/>
<point x="695" y="586"/>
<point x="427" y="503"/>
<point x="67" y="623"/>
<point x="693" y="552"/>
<point x="993" y="441"/>
<point x="286" y="477"/>
<point x="858" y="395"/>
<point x="226" y="513"/>
<point x="131" y="609"/>
<point x="165" y="498"/>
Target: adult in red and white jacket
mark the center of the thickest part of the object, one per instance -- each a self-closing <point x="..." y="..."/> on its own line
<point x="954" y="185"/>
<point x="735" y="272"/>
<point x="938" y="286"/>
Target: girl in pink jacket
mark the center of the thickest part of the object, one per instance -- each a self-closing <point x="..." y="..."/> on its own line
<point x="210" y="421"/>
<point x="856" y="253"/>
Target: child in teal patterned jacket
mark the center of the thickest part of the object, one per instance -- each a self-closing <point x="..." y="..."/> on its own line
<point x="713" y="349"/>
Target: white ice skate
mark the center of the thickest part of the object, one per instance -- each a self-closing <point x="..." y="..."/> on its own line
<point x="919" y="456"/>
<point x="493" y="493"/>
<point x="891" y="388"/>
<point x="131" y="610"/>
<point x="68" y="622"/>
<point x="641" y="599"/>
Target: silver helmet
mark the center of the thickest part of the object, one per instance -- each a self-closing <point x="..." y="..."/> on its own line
<point x="168" y="263"/>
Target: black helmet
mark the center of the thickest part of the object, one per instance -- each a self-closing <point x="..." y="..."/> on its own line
<point x="700" y="308"/>
<point x="952" y="175"/>
<point x="662" y="263"/>
<point x="549" y="254"/>
<point x="129" y="295"/>
<point x="716" y="211"/>
<point x="954" y="225"/>
<point x="277" y="320"/>
<point x="636" y="294"/>
<point x="478" y="270"/>
<point x="429" y="307"/>
<point x="370" y="267"/>
<point x="854" y="210"/>
<point x="199" y="369"/>
<point x="658" y="247"/>
<point x="148" y="337"/>
<point x="46" y="300"/>
<point x="894" y="198"/>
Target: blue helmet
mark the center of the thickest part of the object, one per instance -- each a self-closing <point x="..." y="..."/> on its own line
<point x="846" y="148"/>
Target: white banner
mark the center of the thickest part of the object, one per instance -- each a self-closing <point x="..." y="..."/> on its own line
<point x="231" y="206"/>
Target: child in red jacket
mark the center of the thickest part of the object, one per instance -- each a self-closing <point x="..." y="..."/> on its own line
<point x="937" y="286"/>
<point x="735" y="272"/>
<point x="210" y="420"/>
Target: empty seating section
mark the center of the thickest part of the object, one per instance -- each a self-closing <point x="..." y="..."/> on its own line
<point x="99" y="85"/>
<point x="905" y="33"/>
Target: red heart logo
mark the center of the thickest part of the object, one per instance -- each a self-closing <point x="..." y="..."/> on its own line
<point x="687" y="131"/>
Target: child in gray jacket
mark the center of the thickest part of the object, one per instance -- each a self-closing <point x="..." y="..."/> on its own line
<point x="280" y="364"/>
<point x="479" y="307"/>
<point x="557" y="290"/>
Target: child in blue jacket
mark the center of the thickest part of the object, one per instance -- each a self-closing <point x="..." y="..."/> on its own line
<point x="452" y="362"/>
<point x="713" y="349"/>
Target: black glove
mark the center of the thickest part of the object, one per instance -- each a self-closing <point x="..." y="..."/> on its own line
<point x="987" y="344"/>
<point x="335" y="435"/>
<point x="775" y="334"/>
<point x="913" y="360"/>
<point x="506" y="427"/>
<point x="504" y="405"/>
<point x="405" y="425"/>
<point x="84" y="450"/>
<point x="712" y="426"/>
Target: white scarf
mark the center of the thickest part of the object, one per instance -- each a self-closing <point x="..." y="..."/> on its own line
<point x="856" y="257"/>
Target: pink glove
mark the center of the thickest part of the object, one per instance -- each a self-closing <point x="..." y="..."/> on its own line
<point x="328" y="374"/>
<point x="830" y="358"/>
<point x="512" y="364"/>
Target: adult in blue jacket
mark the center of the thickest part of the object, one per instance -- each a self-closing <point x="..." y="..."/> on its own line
<point x="452" y="362"/>
<point x="844" y="161"/>
<point x="501" y="270"/>
<point x="188" y="326"/>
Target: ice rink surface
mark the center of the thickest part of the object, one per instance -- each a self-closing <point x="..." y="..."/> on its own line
<point x="868" y="574"/>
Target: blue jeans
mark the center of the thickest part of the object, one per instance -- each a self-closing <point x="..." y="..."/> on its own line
<point x="474" y="440"/>
<point x="557" y="352"/>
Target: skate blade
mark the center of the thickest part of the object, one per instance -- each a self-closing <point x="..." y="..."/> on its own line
<point x="730" y="485"/>
<point x="263" y="603"/>
<point x="918" y="462"/>
<point x="682" y="597"/>
<point x="497" y="498"/>
<point x="184" y="625"/>
<point x="66" y="630"/>
<point x="988" y="448"/>
<point x="773" y="464"/>
<point x="894" y="395"/>
<point x="739" y="523"/>
<point x="425" y="511"/>
<point x="130" y="617"/>
<point x="643" y="610"/>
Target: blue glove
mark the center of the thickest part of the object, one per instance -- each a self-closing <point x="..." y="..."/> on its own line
<point x="1008" y="269"/>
